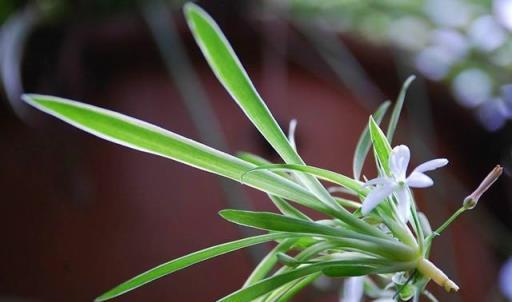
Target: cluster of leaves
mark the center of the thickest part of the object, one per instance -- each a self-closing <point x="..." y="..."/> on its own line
<point x="345" y="244"/>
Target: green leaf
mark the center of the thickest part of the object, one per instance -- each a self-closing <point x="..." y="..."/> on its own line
<point x="364" y="143"/>
<point x="142" y="136"/>
<point x="303" y="243"/>
<point x="288" y="290"/>
<point x="310" y="252"/>
<point x="291" y="290"/>
<point x="340" y="179"/>
<point x="229" y="71"/>
<point x="145" y="137"/>
<point x="259" y="161"/>
<point x="365" y="266"/>
<point x="267" y="285"/>
<point x="266" y="264"/>
<point x="188" y="260"/>
<point x="283" y="206"/>
<point x="288" y="260"/>
<point x="388" y="248"/>
<point x="287" y="209"/>
<point x="393" y="122"/>
<point x="275" y="222"/>
<point x="381" y="147"/>
<point x="347" y="203"/>
<point x="348" y="270"/>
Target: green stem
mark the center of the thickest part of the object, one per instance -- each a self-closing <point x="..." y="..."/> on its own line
<point x="403" y="234"/>
<point x="440" y="229"/>
<point x="450" y="220"/>
<point x="417" y="225"/>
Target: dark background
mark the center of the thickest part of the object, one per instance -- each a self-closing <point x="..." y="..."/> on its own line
<point x="80" y="215"/>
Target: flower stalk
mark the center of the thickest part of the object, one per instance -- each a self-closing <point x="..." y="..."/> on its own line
<point x="471" y="200"/>
<point x="428" y="269"/>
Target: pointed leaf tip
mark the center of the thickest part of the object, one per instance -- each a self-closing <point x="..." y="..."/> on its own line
<point x="397" y="110"/>
<point x="381" y="146"/>
<point x="364" y="142"/>
<point x="32" y="99"/>
<point x="190" y="9"/>
<point x="225" y="214"/>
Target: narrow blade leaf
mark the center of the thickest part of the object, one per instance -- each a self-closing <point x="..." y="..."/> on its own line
<point x="230" y="72"/>
<point x="186" y="261"/>
<point x="287" y="209"/>
<point x="275" y="222"/>
<point x="351" y="184"/>
<point x="304" y="255"/>
<point x="395" y="116"/>
<point x="259" y="161"/>
<point x="346" y="238"/>
<point x="283" y="206"/>
<point x="228" y="69"/>
<point x="266" y="264"/>
<point x="364" y="143"/>
<point x="340" y="179"/>
<point x="381" y="147"/>
<point x="290" y="291"/>
<point x="348" y="270"/>
<point x="267" y="285"/>
<point x="145" y="137"/>
<point x="142" y="136"/>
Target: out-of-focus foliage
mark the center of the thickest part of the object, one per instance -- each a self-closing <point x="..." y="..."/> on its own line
<point x="87" y="9"/>
<point x="7" y="7"/>
<point x="465" y="44"/>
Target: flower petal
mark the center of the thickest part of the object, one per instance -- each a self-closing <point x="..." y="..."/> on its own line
<point x="399" y="160"/>
<point x="431" y="165"/>
<point x="419" y="180"/>
<point x="383" y="180"/>
<point x="404" y="204"/>
<point x="353" y="289"/>
<point x="375" y="197"/>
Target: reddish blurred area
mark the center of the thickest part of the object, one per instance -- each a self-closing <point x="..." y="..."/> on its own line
<point x="80" y="215"/>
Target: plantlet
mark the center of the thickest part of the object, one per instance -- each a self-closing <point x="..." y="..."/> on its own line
<point x="378" y="232"/>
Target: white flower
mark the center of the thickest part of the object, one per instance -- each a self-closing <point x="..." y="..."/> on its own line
<point x="398" y="183"/>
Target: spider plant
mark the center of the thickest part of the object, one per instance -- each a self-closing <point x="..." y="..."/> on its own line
<point x="377" y="231"/>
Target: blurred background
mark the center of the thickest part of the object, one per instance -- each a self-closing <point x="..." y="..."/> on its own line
<point x="80" y="215"/>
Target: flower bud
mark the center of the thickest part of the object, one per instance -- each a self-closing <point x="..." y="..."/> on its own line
<point x="471" y="200"/>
